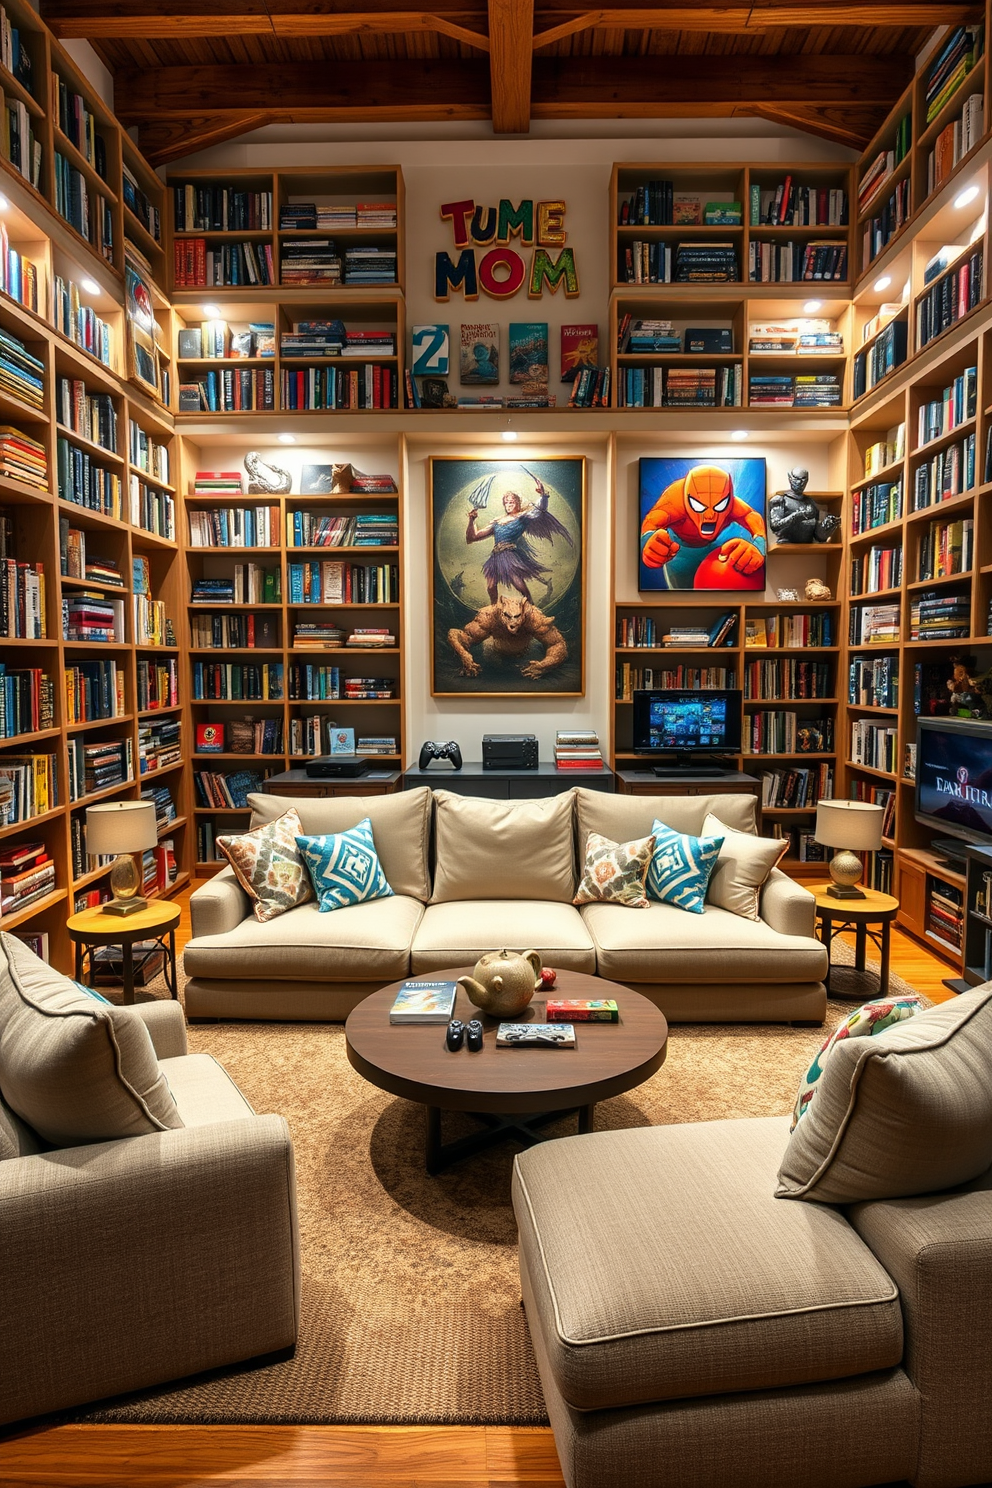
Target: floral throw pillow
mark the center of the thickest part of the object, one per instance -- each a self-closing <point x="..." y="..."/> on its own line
<point x="862" y="1023"/>
<point x="345" y="867"/>
<point x="615" y="872"/>
<point x="269" y="865"/>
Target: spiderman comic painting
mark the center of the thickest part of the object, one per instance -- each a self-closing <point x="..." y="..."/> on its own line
<point x="702" y="524"/>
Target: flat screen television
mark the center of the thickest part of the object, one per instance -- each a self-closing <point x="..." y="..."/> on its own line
<point x="954" y="777"/>
<point x="690" y="725"/>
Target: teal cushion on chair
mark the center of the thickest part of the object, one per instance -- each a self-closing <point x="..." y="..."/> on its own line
<point x="680" y="867"/>
<point x="344" y="867"/>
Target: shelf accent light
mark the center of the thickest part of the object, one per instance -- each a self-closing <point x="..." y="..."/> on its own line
<point x="966" y="197"/>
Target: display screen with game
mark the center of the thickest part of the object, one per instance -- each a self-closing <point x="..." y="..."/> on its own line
<point x="954" y="777"/>
<point x="687" y="722"/>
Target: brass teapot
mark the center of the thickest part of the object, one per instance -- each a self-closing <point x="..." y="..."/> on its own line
<point x="503" y="982"/>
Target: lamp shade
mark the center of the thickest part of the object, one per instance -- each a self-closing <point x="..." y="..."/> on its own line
<point x="120" y="827"/>
<point x="856" y="825"/>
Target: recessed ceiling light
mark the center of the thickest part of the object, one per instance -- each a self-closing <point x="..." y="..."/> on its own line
<point x="212" y="311"/>
<point x="811" y="307"/>
<point x="287" y="438"/>
<point x="966" y="197"/>
<point x="882" y="283"/>
<point x="90" y="286"/>
<point x="509" y="435"/>
<point x="739" y="434"/>
<point x="4" y="204"/>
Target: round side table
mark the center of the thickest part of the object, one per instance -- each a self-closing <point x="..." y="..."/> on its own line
<point x="156" y="922"/>
<point x="859" y="915"/>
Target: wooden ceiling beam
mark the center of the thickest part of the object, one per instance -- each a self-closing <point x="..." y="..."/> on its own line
<point x="511" y="57"/>
<point x="854" y="128"/>
<point x="739" y="19"/>
<point x="164" y="142"/>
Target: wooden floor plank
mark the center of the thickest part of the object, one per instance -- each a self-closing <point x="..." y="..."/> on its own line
<point x="328" y="1456"/>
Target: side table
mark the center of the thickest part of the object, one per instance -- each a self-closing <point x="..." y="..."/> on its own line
<point x="859" y="915"/>
<point x="156" y="922"/>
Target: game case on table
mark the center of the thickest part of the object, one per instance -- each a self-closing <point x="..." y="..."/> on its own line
<point x="582" y="1010"/>
<point x="535" y="1036"/>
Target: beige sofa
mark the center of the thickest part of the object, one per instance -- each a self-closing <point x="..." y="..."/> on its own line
<point x="125" y="1263"/>
<point x="470" y="875"/>
<point x="694" y="1329"/>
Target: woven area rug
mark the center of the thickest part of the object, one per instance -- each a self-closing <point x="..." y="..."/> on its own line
<point x="411" y="1308"/>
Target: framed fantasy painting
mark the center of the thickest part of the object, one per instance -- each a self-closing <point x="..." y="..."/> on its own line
<point x="507" y="577"/>
<point x="702" y="524"/>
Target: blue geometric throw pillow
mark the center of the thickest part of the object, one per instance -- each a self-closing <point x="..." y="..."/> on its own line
<point x="344" y="867"/>
<point x="680" y="868"/>
<point x="90" y="992"/>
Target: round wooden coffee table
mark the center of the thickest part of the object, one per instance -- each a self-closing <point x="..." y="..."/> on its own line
<point x="511" y="1091"/>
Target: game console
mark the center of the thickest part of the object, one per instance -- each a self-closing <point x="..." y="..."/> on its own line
<point x="509" y="751"/>
<point x="342" y="766"/>
<point x="432" y="750"/>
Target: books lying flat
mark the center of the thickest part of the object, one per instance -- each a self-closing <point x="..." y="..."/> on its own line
<point x="535" y="1036"/>
<point x="582" y="1010"/>
<point x="424" y="1002"/>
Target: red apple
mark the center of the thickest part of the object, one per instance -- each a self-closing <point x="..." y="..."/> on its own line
<point x="548" y="977"/>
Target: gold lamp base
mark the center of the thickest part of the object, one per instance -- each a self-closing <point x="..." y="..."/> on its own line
<point x="125" y="883"/>
<point x="845" y="870"/>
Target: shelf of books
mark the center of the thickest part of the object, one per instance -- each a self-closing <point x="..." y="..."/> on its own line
<point x="294" y="618"/>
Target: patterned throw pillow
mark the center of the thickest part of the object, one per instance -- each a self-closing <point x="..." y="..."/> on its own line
<point x="269" y="867"/>
<point x="680" y="867"/>
<point x="615" y="871"/>
<point x="344" y="867"/>
<point x="862" y="1023"/>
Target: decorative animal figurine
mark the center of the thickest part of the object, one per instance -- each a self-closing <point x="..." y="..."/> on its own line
<point x="817" y="589"/>
<point x="265" y="479"/>
<point x="509" y="626"/>
<point x="795" y="517"/>
<point x="503" y="982"/>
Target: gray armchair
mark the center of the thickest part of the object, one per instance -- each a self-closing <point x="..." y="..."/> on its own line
<point x="124" y="1264"/>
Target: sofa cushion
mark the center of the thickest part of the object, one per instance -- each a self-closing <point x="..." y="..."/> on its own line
<point x="203" y="1090"/>
<point x="625" y="817"/>
<point x="866" y="1021"/>
<point x="906" y="1112"/>
<point x="662" y="944"/>
<point x="363" y="942"/>
<point x="344" y="867"/>
<point x="744" y="864"/>
<point x="662" y="1268"/>
<point x="457" y="934"/>
<point x="503" y="849"/>
<point x="680" y="867"/>
<point x="400" y="826"/>
<point x="75" y="1069"/>
<point x="615" y="872"/>
<point x="268" y="865"/>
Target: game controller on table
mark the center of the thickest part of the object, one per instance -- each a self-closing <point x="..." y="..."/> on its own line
<point x="433" y="750"/>
<point x="469" y="1033"/>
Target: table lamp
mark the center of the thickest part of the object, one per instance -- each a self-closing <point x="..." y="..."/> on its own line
<point x="122" y="828"/>
<point x="852" y="827"/>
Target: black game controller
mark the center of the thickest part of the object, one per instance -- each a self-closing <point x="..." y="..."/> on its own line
<point x="473" y="1035"/>
<point x="455" y="1034"/>
<point x="432" y="750"/>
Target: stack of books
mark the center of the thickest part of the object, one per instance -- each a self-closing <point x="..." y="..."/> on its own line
<point x="374" y="744"/>
<point x="691" y="387"/>
<point x="22" y="458"/>
<point x="371" y="638"/>
<point x="766" y="390"/>
<point x="936" y="615"/>
<point x="369" y="343"/>
<point x="578" y="749"/>
<point x="21" y="374"/>
<point x="314" y="338"/>
<point x="945" y="914"/>
<point x="96" y="767"/>
<point x="706" y="263"/>
<point x="375" y="214"/>
<point x="298" y="215"/>
<point x="718" y="633"/>
<point x="165" y="807"/>
<point x="89" y="616"/>
<point x="372" y="485"/>
<point x="217" y="482"/>
<point x="651" y="336"/>
<point x="874" y="625"/>
<point x="311" y="261"/>
<point x="367" y="265"/>
<point x="159" y="745"/>
<point x="820" y="390"/>
<point x="27" y="873"/>
<point x="317" y="635"/>
<point x="369" y="687"/>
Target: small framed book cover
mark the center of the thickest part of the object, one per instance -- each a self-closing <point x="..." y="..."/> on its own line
<point x="210" y="738"/>
<point x="431" y="351"/>
<point x="579" y="349"/>
<point x="529" y="351"/>
<point x="419" y="1001"/>
<point x="479" y="362"/>
<point x="342" y="741"/>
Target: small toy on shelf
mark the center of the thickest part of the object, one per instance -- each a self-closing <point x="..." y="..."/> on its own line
<point x="795" y="517"/>
<point x="817" y="589"/>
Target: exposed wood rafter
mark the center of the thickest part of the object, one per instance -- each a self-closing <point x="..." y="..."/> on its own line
<point x="162" y="143"/>
<point x="511" y="57"/>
